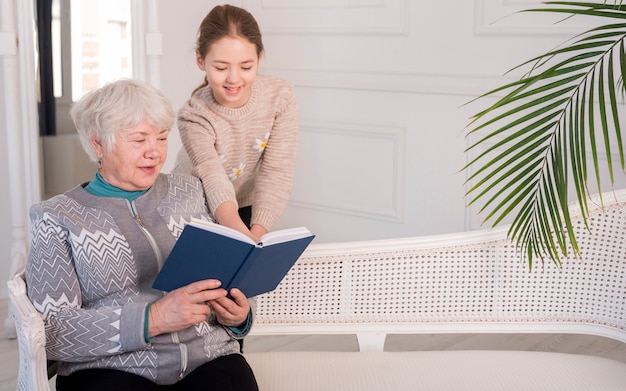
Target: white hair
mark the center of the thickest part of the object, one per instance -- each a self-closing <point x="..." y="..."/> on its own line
<point x="119" y="106"/>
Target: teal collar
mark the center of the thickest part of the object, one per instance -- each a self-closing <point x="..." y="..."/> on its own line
<point x="99" y="187"/>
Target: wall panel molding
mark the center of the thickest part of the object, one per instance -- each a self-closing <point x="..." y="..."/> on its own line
<point x="334" y="183"/>
<point x="321" y="3"/>
<point x="418" y="83"/>
<point x="502" y="17"/>
<point x="344" y="17"/>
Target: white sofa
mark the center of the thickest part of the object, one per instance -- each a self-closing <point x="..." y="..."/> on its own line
<point x="471" y="282"/>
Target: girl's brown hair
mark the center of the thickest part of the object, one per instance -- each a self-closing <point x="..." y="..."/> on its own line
<point x="227" y="20"/>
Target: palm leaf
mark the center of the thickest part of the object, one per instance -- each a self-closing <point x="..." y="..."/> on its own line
<point x="539" y="135"/>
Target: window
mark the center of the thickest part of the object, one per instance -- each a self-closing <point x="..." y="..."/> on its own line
<point x="91" y="45"/>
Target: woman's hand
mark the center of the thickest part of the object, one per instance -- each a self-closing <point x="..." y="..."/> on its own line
<point x="184" y="307"/>
<point x="231" y="312"/>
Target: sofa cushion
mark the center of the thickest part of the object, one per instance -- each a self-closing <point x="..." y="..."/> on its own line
<point x="436" y="370"/>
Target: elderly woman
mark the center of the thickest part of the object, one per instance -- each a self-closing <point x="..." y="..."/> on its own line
<point x="97" y="248"/>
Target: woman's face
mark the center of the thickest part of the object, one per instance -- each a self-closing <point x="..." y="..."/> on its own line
<point x="136" y="158"/>
<point x="231" y="66"/>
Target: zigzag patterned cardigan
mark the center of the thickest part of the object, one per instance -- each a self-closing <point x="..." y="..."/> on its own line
<point x="89" y="272"/>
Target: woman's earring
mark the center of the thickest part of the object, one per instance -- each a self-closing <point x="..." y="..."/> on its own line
<point x="100" y="170"/>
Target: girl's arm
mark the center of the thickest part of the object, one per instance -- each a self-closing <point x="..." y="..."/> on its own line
<point x="199" y="137"/>
<point x="276" y="173"/>
<point x="228" y="214"/>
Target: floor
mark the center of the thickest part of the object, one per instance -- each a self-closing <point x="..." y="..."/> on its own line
<point x="566" y="343"/>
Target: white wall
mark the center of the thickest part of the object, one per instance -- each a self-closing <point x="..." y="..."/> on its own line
<point x="19" y="174"/>
<point x="5" y="204"/>
<point x="381" y="87"/>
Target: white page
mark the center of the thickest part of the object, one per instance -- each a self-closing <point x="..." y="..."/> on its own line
<point x="284" y="235"/>
<point x="269" y="238"/>
<point x="222" y="229"/>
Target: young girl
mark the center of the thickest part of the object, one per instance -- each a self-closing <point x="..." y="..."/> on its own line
<point x="239" y="129"/>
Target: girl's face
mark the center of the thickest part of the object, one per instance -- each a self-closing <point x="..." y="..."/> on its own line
<point x="136" y="158"/>
<point x="231" y="66"/>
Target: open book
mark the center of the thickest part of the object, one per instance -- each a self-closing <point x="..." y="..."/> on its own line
<point x="207" y="250"/>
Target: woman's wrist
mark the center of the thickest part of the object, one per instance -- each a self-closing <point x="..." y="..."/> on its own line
<point x="146" y="325"/>
<point x="243" y="327"/>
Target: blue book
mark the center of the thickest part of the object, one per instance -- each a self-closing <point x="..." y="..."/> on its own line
<point x="207" y="250"/>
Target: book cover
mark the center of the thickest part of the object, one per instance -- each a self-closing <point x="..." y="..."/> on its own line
<point x="210" y="251"/>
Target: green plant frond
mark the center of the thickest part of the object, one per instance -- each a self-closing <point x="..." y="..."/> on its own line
<point x="614" y="112"/>
<point x="553" y="222"/>
<point x="530" y="171"/>
<point x="529" y="254"/>
<point x="587" y="4"/>
<point x="499" y="177"/>
<point x="592" y="132"/>
<point x="544" y="126"/>
<point x="589" y="12"/>
<point x="542" y="108"/>
<point x="519" y="95"/>
<point x="561" y="154"/>
<point x="555" y="70"/>
<point x="531" y="244"/>
<point x="541" y="235"/>
<point x="546" y="237"/>
<point x="575" y="156"/>
<point x="577" y="117"/>
<point x="529" y="167"/>
<point x="578" y="161"/>
<point x="622" y="63"/>
<point x="604" y="121"/>
<point x="544" y="59"/>
<point x="527" y="81"/>
<point x="578" y="60"/>
<point x="555" y="196"/>
<point x="528" y="151"/>
<point x="595" y="34"/>
<point x="617" y="35"/>
<point x="603" y="5"/>
<point x="553" y="204"/>
<point x="583" y="46"/>
<point x="495" y="91"/>
<point x="524" y="245"/>
<point x="544" y="241"/>
<point x="616" y="31"/>
<point x="530" y="132"/>
<point x="510" y="202"/>
<point x="587" y="35"/>
<point x="521" y="220"/>
<point x="582" y="99"/>
<point x="567" y="222"/>
<point x="568" y="82"/>
<point x="540" y="117"/>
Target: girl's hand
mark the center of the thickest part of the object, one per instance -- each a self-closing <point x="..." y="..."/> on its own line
<point x="258" y="231"/>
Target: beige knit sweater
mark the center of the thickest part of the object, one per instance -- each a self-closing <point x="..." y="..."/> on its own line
<point x="245" y="155"/>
